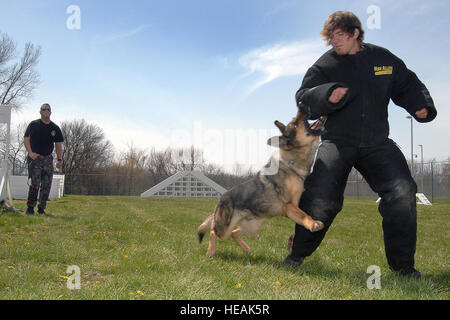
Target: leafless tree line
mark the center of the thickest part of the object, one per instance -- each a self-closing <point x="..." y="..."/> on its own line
<point x="129" y="172"/>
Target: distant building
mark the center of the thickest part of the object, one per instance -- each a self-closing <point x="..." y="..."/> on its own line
<point x="186" y="184"/>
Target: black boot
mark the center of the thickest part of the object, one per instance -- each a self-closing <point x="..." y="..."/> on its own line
<point x="30" y="210"/>
<point x="409" y="273"/>
<point x="292" y="261"/>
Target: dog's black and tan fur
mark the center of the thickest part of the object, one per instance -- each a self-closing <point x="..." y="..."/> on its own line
<point x="240" y="210"/>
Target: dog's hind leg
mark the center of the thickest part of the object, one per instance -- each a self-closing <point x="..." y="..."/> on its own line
<point x="249" y="228"/>
<point x="212" y="244"/>
<point x="237" y="236"/>
<point x="299" y="216"/>
<point x="204" y="227"/>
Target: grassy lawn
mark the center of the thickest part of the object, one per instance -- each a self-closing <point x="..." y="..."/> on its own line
<point x="133" y="248"/>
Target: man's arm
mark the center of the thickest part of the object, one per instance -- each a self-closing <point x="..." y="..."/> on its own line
<point x="58" y="148"/>
<point x="31" y="154"/>
<point x="411" y="94"/>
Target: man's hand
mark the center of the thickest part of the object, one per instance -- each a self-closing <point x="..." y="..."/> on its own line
<point x="337" y="94"/>
<point x="33" y="155"/>
<point x="422" y="113"/>
<point x="58" y="164"/>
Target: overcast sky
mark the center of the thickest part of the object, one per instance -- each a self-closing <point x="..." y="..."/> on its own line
<point x="213" y="73"/>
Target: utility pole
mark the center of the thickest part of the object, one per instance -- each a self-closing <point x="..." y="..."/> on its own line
<point x="432" y="181"/>
<point x="421" y="159"/>
<point x="412" y="146"/>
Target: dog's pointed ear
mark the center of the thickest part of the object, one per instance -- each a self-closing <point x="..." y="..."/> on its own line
<point x="280" y="126"/>
<point x="277" y="141"/>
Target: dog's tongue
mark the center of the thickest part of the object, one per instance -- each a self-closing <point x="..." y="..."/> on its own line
<point x="317" y="124"/>
<point x="317" y="127"/>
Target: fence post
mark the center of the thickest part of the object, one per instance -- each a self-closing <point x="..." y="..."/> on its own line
<point x="103" y="183"/>
<point x="432" y="182"/>
<point x="357" y="186"/>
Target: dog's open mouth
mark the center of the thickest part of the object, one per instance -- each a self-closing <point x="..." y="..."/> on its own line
<point x="317" y="127"/>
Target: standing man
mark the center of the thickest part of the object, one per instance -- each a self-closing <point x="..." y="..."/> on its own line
<point x="352" y="84"/>
<point x="41" y="137"/>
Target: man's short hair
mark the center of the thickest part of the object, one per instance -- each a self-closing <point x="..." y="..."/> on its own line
<point x="346" y="21"/>
<point x="45" y="105"/>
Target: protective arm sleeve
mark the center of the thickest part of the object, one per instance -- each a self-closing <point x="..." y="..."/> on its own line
<point x="315" y="91"/>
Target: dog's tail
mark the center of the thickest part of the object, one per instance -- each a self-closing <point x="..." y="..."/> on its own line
<point x="205" y="227"/>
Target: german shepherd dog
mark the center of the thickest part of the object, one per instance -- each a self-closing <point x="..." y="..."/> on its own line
<point x="241" y="209"/>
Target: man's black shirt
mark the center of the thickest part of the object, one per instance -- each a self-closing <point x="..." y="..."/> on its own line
<point x="43" y="136"/>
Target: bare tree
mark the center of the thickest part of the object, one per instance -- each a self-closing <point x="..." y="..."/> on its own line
<point x="17" y="79"/>
<point x="132" y="165"/>
<point x="133" y="159"/>
<point x="17" y="152"/>
<point x="444" y="177"/>
<point x="160" y="164"/>
<point x="85" y="147"/>
<point x="188" y="158"/>
<point x="163" y="164"/>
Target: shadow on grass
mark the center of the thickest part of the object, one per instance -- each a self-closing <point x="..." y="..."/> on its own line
<point x="393" y="286"/>
<point x="22" y="214"/>
<point x="312" y="266"/>
<point x="441" y="280"/>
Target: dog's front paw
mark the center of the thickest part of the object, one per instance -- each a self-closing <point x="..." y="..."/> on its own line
<point x="210" y="253"/>
<point x="317" y="225"/>
<point x="247" y="249"/>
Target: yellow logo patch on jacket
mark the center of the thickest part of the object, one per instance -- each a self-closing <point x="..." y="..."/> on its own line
<point x="379" y="71"/>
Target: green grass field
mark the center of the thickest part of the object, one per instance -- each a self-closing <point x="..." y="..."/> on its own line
<point x="133" y="248"/>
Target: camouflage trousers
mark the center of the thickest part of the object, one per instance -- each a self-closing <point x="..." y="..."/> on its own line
<point x="40" y="171"/>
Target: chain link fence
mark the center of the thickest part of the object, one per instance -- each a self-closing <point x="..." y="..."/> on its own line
<point x="131" y="184"/>
<point x="432" y="178"/>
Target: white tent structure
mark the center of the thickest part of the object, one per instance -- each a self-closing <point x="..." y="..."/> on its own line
<point x="19" y="186"/>
<point x="186" y="184"/>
